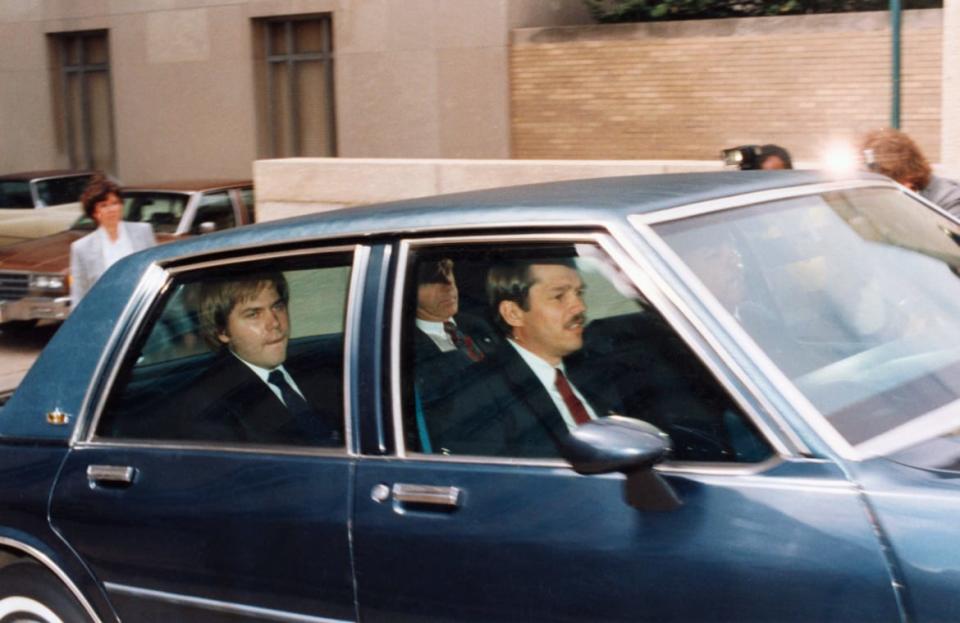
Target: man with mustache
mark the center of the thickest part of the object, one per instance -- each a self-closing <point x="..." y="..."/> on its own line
<point x="251" y="393"/>
<point x="526" y="400"/>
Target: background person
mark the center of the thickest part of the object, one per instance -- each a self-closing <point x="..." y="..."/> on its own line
<point x="894" y="154"/>
<point x="774" y="157"/>
<point x="113" y="239"/>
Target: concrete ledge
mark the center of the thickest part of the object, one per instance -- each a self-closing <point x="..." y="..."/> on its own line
<point x="293" y="186"/>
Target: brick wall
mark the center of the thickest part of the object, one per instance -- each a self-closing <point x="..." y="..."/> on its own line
<point x="689" y="89"/>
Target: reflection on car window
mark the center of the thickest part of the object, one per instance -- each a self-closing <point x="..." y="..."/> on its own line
<point x="511" y="348"/>
<point x="853" y="294"/>
<point x="242" y="354"/>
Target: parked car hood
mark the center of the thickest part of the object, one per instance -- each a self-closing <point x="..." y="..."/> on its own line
<point x="50" y="254"/>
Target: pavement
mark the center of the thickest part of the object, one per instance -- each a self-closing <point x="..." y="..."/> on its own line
<point x="19" y="347"/>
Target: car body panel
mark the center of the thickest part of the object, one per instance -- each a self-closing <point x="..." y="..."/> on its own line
<point x="289" y="512"/>
<point x="544" y="544"/>
<point x="36" y="218"/>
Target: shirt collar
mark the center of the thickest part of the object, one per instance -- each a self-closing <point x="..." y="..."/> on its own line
<point x="433" y="327"/>
<point x="262" y="373"/>
<point x="545" y="372"/>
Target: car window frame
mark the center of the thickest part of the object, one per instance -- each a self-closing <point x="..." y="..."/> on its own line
<point x="603" y="238"/>
<point x="151" y="293"/>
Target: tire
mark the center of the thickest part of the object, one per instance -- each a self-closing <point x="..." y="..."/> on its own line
<point x="31" y="594"/>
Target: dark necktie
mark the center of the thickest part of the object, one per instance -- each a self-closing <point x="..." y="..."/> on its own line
<point x="463" y="342"/>
<point x="305" y="417"/>
<point x="574" y="406"/>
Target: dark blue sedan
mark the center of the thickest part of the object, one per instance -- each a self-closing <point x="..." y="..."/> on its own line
<point x="704" y="397"/>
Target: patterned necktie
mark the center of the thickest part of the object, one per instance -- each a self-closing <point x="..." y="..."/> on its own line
<point x="463" y="342"/>
<point x="305" y="417"/>
<point x="574" y="406"/>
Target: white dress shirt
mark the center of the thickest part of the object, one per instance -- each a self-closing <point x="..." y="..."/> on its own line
<point x="435" y="332"/>
<point x="547" y="375"/>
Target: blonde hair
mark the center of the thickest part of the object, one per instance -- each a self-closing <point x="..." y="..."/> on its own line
<point x="895" y="155"/>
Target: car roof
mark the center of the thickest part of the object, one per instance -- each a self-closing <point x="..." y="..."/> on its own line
<point x="556" y="203"/>
<point x="187" y="185"/>
<point x="32" y="175"/>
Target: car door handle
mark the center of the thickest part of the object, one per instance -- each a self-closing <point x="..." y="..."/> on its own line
<point x="110" y="474"/>
<point x="448" y="497"/>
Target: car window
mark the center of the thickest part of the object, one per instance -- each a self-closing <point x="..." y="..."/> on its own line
<point x="215" y="208"/>
<point x="506" y="349"/>
<point x="248" y="353"/>
<point x="162" y="210"/>
<point x="15" y="194"/>
<point x="57" y="190"/>
<point x="853" y="294"/>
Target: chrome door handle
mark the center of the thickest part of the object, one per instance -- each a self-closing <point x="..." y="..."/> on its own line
<point x="426" y="494"/>
<point x="113" y="474"/>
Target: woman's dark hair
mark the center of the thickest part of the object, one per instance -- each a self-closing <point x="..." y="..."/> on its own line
<point x="95" y="192"/>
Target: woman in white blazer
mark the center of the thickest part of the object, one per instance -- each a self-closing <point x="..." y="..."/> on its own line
<point x="113" y="239"/>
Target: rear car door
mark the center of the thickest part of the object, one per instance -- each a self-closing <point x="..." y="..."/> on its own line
<point x="188" y="513"/>
<point x="462" y="517"/>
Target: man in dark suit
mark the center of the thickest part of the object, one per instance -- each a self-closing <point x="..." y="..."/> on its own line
<point x="524" y="400"/>
<point x="251" y="393"/>
<point x="445" y="344"/>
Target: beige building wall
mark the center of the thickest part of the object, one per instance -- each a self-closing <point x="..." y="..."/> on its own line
<point x="422" y="78"/>
<point x="689" y="89"/>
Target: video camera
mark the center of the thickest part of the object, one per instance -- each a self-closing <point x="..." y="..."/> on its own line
<point x="745" y="157"/>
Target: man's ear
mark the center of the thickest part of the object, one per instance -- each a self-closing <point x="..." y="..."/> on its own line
<point x="223" y="337"/>
<point x="511" y="313"/>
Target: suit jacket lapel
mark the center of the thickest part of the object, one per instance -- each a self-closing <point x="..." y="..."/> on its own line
<point x="527" y="390"/>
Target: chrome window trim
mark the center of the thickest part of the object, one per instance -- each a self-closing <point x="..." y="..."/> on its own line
<point x="680" y="468"/>
<point x="646" y="286"/>
<point x="351" y="334"/>
<point x="739" y="201"/>
<point x="51" y="566"/>
<point x="154" y="282"/>
<point x="214" y="605"/>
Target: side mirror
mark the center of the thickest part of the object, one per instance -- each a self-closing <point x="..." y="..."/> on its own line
<point x="633" y="447"/>
<point x="207" y="227"/>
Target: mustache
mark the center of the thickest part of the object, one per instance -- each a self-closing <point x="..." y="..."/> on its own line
<point x="579" y="319"/>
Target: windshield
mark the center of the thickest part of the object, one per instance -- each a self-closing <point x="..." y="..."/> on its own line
<point x="15" y="194"/>
<point x="854" y="295"/>
<point x="162" y="210"/>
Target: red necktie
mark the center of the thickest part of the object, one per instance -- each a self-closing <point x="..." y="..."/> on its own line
<point x="576" y="408"/>
<point x="463" y="342"/>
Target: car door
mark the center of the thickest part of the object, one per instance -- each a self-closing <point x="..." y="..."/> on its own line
<point x="187" y="497"/>
<point x="468" y="520"/>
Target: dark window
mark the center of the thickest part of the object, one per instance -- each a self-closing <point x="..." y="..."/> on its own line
<point x="488" y="385"/>
<point x="192" y="374"/>
<point x="163" y="210"/>
<point x="84" y="98"/>
<point x="58" y="190"/>
<point x="216" y="208"/>
<point x="297" y="86"/>
<point x="16" y="194"/>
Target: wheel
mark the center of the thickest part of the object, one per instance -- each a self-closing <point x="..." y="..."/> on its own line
<point x="31" y="594"/>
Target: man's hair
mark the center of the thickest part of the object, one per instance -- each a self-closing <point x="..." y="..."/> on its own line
<point x="435" y="271"/>
<point x="769" y="150"/>
<point x="511" y="281"/>
<point x="96" y="191"/>
<point x="216" y="299"/>
<point x="894" y="154"/>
